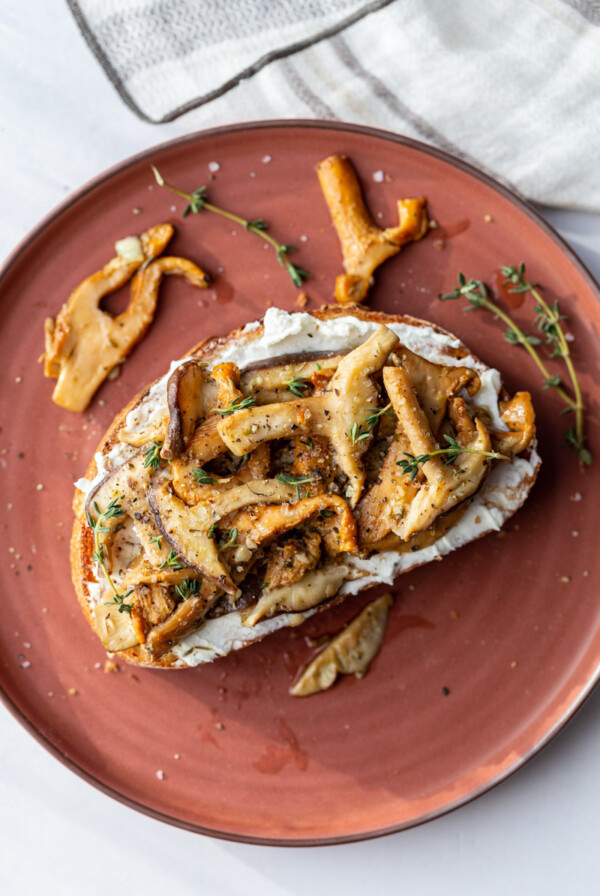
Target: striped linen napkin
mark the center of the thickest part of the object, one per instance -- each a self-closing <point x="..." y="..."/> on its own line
<point x="509" y="85"/>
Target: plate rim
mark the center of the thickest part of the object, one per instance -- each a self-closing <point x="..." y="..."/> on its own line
<point x="287" y="124"/>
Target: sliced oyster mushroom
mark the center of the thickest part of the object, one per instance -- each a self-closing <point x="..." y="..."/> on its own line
<point x="263" y="524"/>
<point x="349" y="653"/>
<point x="186" y="617"/>
<point x="364" y="245"/>
<point x="435" y="384"/>
<point x="444" y="486"/>
<point x="186" y="407"/>
<point x="334" y="414"/>
<point x="150" y="605"/>
<point x="85" y="343"/>
<point x="187" y="528"/>
<point x="518" y="414"/>
<point x="127" y="487"/>
<point x="289" y="561"/>
<point x="315" y="587"/>
<point x="116" y="630"/>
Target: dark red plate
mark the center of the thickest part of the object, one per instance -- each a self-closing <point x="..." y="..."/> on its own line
<point x="487" y="654"/>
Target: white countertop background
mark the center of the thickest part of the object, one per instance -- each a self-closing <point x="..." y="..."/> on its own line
<point x="61" y="122"/>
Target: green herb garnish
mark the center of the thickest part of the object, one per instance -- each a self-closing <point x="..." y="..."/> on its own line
<point x="297" y="386"/>
<point x="187" y="588"/>
<point x="296" y="481"/>
<point x="413" y="462"/>
<point x="205" y="478"/>
<point x="548" y="322"/>
<point x="361" y="431"/>
<point x="198" y="201"/>
<point x="231" y="540"/>
<point x="238" y="404"/>
<point x="173" y="561"/>
<point x="114" y="509"/>
<point x="152" y="455"/>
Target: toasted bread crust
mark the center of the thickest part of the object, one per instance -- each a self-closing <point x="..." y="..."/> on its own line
<point x="82" y="541"/>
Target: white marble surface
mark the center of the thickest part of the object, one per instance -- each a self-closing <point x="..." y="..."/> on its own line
<point x="61" y="122"/>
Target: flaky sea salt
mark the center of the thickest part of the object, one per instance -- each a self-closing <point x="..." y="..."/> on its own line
<point x="378" y="176"/>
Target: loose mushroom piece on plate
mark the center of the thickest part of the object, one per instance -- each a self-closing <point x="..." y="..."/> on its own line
<point x="84" y="343"/>
<point x="364" y="245"/>
<point x="349" y="653"/>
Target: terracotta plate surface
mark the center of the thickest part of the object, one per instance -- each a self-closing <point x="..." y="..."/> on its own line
<point x="486" y="654"/>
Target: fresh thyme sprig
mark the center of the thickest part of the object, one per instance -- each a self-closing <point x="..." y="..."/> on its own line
<point x="296" y="481"/>
<point x="98" y="528"/>
<point x="173" y="561"/>
<point x="238" y="404"/>
<point x="152" y="455"/>
<point x="413" y="462"/>
<point x="297" y="386"/>
<point x="205" y="478"/>
<point x="187" y="588"/>
<point x="547" y="320"/>
<point x="157" y="540"/>
<point x="198" y="200"/>
<point x="360" y="431"/>
<point x="231" y="540"/>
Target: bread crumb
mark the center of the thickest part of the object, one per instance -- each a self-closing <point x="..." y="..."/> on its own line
<point x="176" y="756"/>
<point x="73" y="692"/>
<point x="453" y="614"/>
<point x="18" y="379"/>
<point x="302" y="300"/>
<point x="220" y="726"/>
<point x="487" y="218"/>
<point x="565" y="579"/>
<point x="266" y="160"/>
<point x="115" y="372"/>
<point x="439" y="245"/>
<point x="110" y="666"/>
<point x="378" y="176"/>
<point x="40" y="486"/>
<point x="514" y="664"/>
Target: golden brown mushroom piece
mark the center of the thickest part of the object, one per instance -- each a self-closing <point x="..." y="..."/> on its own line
<point x="337" y="413"/>
<point x="186" y="407"/>
<point x="189" y="530"/>
<point x="364" y="245"/>
<point x="349" y="653"/>
<point x="441" y="487"/>
<point x="84" y="343"/>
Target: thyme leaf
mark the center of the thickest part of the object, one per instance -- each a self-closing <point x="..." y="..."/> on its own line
<point x="187" y="588"/>
<point x="411" y="465"/>
<point x="360" y="431"/>
<point x="198" y="201"/>
<point x="297" y="386"/>
<point x="548" y="321"/>
<point x="173" y="561"/>
<point x="114" y="509"/>
<point x="237" y="404"/>
<point x="152" y="455"/>
<point x="296" y="481"/>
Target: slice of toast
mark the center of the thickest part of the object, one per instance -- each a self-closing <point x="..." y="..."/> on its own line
<point x="309" y="416"/>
